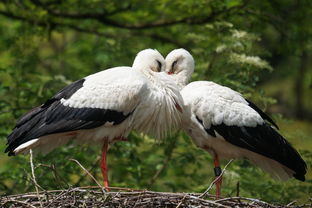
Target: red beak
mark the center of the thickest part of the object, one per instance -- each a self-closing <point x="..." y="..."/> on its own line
<point x="169" y="73"/>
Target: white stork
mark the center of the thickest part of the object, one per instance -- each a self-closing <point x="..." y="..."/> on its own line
<point x="103" y="108"/>
<point x="228" y="126"/>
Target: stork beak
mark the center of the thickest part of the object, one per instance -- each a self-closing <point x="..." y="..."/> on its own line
<point x="169" y="73"/>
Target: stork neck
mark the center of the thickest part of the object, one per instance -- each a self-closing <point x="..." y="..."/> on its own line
<point x="149" y="74"/>
<point x="182" y="79"/>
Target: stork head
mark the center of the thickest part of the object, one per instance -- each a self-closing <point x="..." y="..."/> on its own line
<point x="181" y="63"/>
<point x="149" y="59"/>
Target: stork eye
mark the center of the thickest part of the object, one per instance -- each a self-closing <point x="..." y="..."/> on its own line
<point x="174" y="64"/>
<point x="159" y="66"/>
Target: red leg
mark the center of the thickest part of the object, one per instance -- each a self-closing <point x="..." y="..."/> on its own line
<point x="218" y="175"/>
<point x="121" y="138"/>
<point x="104" y="167"/>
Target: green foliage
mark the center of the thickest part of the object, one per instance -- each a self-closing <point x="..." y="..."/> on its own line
<point x="46" y="44"/>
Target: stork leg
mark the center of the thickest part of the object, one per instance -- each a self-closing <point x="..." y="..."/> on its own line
<point x="104" y="167"/>
<point x="218" y="175"/>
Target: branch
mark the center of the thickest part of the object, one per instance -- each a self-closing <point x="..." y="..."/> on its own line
<point x="34" y="176"/>
<point x="53" y="24"/>
<point x="79" y="15"/>
<point x="164" y="23"/>
<point x="103" y="17"/>
<point x="16" y="17"/>
<point x="93" y="166"/>
<point x="97" y="183"/>
<point x="215" y="180"/>
<point x="93" y="197"/>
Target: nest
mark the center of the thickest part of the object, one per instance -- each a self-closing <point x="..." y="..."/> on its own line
<point x="118" y="197"/>
<point x="124" y="197"/>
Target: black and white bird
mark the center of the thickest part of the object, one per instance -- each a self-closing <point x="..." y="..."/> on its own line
<point x="228" y="126"/>
<point x="103" y="108"/>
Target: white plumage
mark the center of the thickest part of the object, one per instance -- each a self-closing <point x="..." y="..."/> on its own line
<point x="215" y="104"/>
<point x="220" y="121"/>
<point x="149" y="98"/>
<point x="103" y="108"/>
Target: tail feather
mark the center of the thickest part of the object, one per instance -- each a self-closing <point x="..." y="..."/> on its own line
<point x="266" y="141"/>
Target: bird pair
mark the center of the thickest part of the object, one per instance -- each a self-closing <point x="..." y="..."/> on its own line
<point x="106" y="106"/>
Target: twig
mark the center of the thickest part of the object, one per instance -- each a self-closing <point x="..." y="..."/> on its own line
<point x="95" y="163"/>
<point x="291" y="203"/>
<point x="88" y="197"/>
<point x="25" y="204"/>
<point x="242" y="198"/>
<point x="214" y="181"/>
<point x="215" y="203"/>
<point x="59" y="196"/>
<point x="237" y="188"/>
<point x="76" y="161"/>
<point x="33" y="176"/>
<point x="181" y="201"/>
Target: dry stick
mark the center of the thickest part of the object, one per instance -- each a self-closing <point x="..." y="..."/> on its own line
<point x="143" y="198"/>
<point x="291" y="203"/>
<point x="59" y="196"/>
<point x="19" y="202"/>
<point x="180" y="203"/>
<point x="237" y="189"/>
<point x="215" y="203"/>
<point x="76" y="161"/>
<point x="113" y="188"/>
<point x="244" y="198"/>
<point x="213" y="182"/>
<point x="33" y="176"/>
<point x="95" y="164"/>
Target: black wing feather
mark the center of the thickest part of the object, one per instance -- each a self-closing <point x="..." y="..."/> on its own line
<point x="266" y="141"/>
<point x="261" y="113"/>
<point x="209" y="131"/>
<point x="53" y="117"/>
<point x="65" y="93"/>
